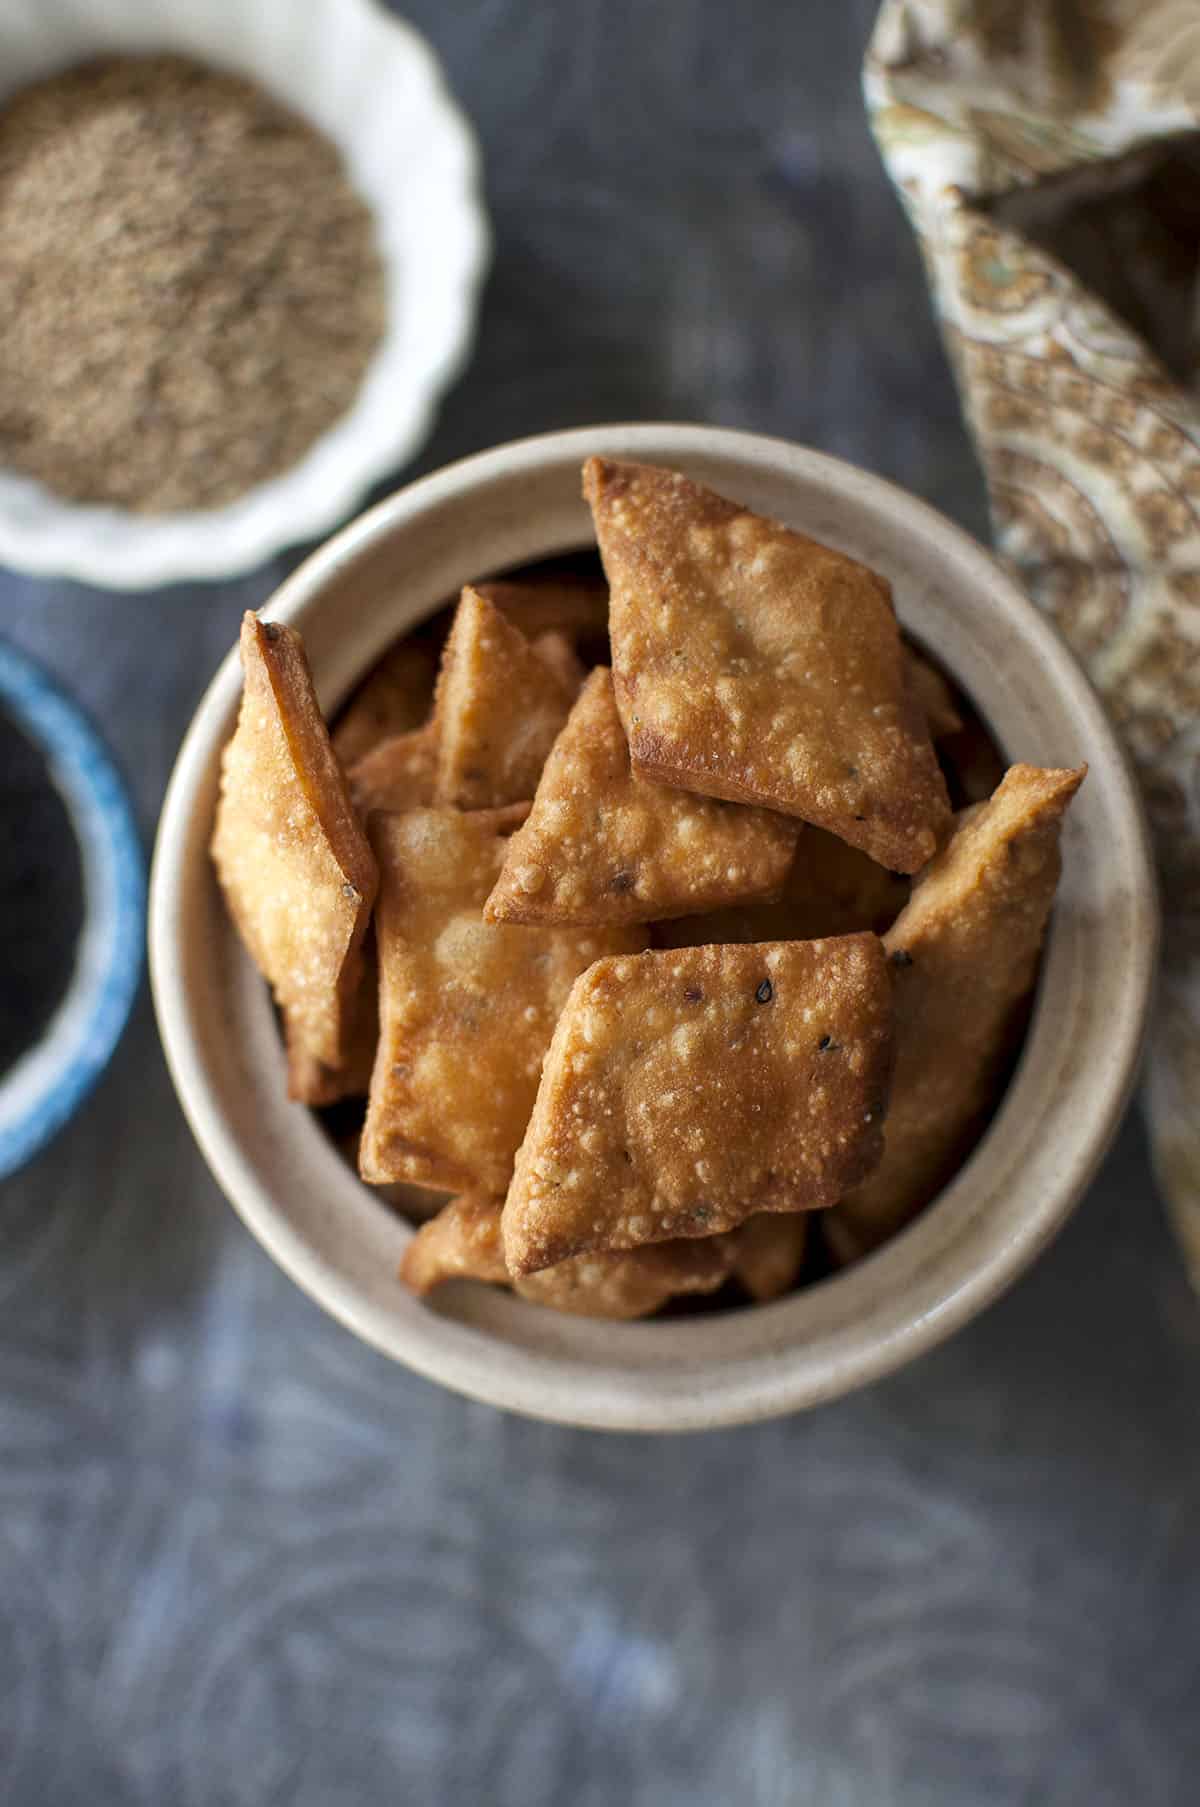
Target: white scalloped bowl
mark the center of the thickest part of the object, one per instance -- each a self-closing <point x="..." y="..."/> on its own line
<point x="388" y="571"/>
<point x="371" y="83"/>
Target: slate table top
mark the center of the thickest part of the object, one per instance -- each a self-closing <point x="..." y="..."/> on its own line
<point x="244" y="1559"/>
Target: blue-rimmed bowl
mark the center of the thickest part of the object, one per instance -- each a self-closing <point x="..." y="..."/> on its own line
<point x="50" y="1079"/>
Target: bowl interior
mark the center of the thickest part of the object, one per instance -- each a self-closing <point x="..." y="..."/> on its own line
<point x="387" y="572"/>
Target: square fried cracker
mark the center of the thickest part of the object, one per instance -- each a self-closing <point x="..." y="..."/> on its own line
<point x="687" y="1089"/>
<point x="769" y="1253"/>
<point x="296" y="869"/>
<point x="463" y="1242"/>
<point x="395" y="696"/>
<point x="397" y="774"/>
<point x="830" y="889"/>
<point x="603" y="845"/>
<point x="755" y="664"/>
<point x="466" y="1009"/>
<point x="964" y="956"/>
<point x="498" y="710"/>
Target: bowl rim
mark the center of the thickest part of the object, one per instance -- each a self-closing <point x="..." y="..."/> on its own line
<point x="769" y="1386"/>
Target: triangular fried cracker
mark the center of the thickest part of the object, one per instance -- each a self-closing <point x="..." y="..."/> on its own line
<point x="466" y="1009"/>
<point x="934" y="695"/>
<point x="498" y="711"/>
<point x="830" y="889"/>
<point x="556" y="651"/>
<point x="295" y="867"/>
<point x="688" y="1088"/>
<point x="603" y="845"/>
<point x="395" y="696"/>
<point x="463" y="1242"/>
<point x="964" y="953"/>
<point x="756" y="664"/>
<point x="397" y="774"/>
<point x="769" y="1253"/>
<point x="542" y="602"/>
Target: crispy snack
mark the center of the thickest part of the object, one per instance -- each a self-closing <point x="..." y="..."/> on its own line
<point x="755" y="664"/>
<point x="466" y="1009"/>
<point x="395" y="695"/>
<point x="556" y="650"/>
<point x="397" y="774"/>
<point x="933" y="694"/>
<point x="769" y="1253"/>
<point x="498" y="711"/>
<point x="463" y="1243"/>
<point x="964" y="955"/>
<point x="310" y="1081"/>
<point x="831" y="889"/>
<point x="687" y="1089"/>
<point x="543" y="602"/>
<point x="295" y="867"/>
<point x="603" y="845"/>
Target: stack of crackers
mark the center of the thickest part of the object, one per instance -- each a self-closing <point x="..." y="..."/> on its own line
<point x="645" y="968"/>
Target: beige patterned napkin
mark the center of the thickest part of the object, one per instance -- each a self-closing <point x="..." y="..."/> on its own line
<point x="1040" y="149"/>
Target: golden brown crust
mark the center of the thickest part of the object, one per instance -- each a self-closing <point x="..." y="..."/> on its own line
<point x="549" y="602"/>
<point x="964" y="955"/>
<point x="769" y="1253"/>
<point x="310" y="1081"/>
<point x="498" y="710"/>
<point x="395" y="696"/>
<point x="397" y="774"/>
<point x="603" y="845"/>
<point x="466" y="1009"/>
<point x="755" y="664"/>
<point x="291" y="856"/>
<point x="684" y="1090"/>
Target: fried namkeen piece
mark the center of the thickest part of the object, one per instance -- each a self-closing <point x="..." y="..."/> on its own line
<point x="298" y="874"/>
<point x="397" y="774"/>
<point x="463" y="1242"/>
<point x="466" y="1008"/>
<point x="603" y="845"/>
<point x="310" y="1081"/>
<point x="395" y="696"/>
<point x="543" y="602"/>
<point x="831" y="889"/>
<point x="498" y="710"/>
<point x="687" y="1089"/>
<point x="755" y="664"/>
<point x="964" y="955"/>
<point x="556" y="651"/>
<point x="769" y="1253"/>
<point x="934" y="695"/>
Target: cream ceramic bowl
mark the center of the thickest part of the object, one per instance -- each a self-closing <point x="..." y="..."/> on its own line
<point x="391" y="568"/>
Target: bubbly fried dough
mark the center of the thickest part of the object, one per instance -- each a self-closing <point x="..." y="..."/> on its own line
<point x="466" y="1009"/>
<point x="603" y="845"/>
<point x="464" y="1242"/>
<point x="769" y="1253"/>
<point x="686" y="1089"/>
<point x="498" y="710"/>
<point x="755" y="664"/>
<point x="831" y="889"/>
<point x="295" y="867"/>
<point x="397" y="774"/>
<point x="395" y="695"/>
<point x="933" y="694"/>
<point x="964" y="955"/>
<point x="556" y="651"/>
<point x="546" y="602"/>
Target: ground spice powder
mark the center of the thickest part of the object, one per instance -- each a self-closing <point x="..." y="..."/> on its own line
<point x="191" y="289"/>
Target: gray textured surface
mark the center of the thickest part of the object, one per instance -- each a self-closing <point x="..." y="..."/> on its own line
<point x="243" y="1559"/>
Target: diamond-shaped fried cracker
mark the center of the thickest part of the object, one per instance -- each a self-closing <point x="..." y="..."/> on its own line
<point x="755" y="664"/>
<point x="687" y="1089"/>
<point x="964" y="953"/>
<point x="830" y="889"/>
<point x="295" y="867"/>
<point x="466" y="1008"/>
<point x="934" y="695"/>
<point x="769" y="1253"/>
<point x="543" y="602"/>
<point x="603" y="845"/>
<point x="395" y="696"/>
<point x="498" y="711"/>
<point x="397" y="774"/>
<point x="463" y="1242"/>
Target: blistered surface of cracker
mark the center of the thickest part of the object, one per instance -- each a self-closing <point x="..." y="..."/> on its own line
<point x="499" y="709"/>
<point x="397" y="774"/>
<point x="295" y="867"/>
<point x="756" y="664"/>
<point x="687" y="1089"/>
<point x="603" y="845"/>
<point x="769" y="1253"/>
<point x="964" y="956"/>
<point x="461" y="1243"/>
<point x="467" y="1008"/>
<point x="395" y="696"/>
